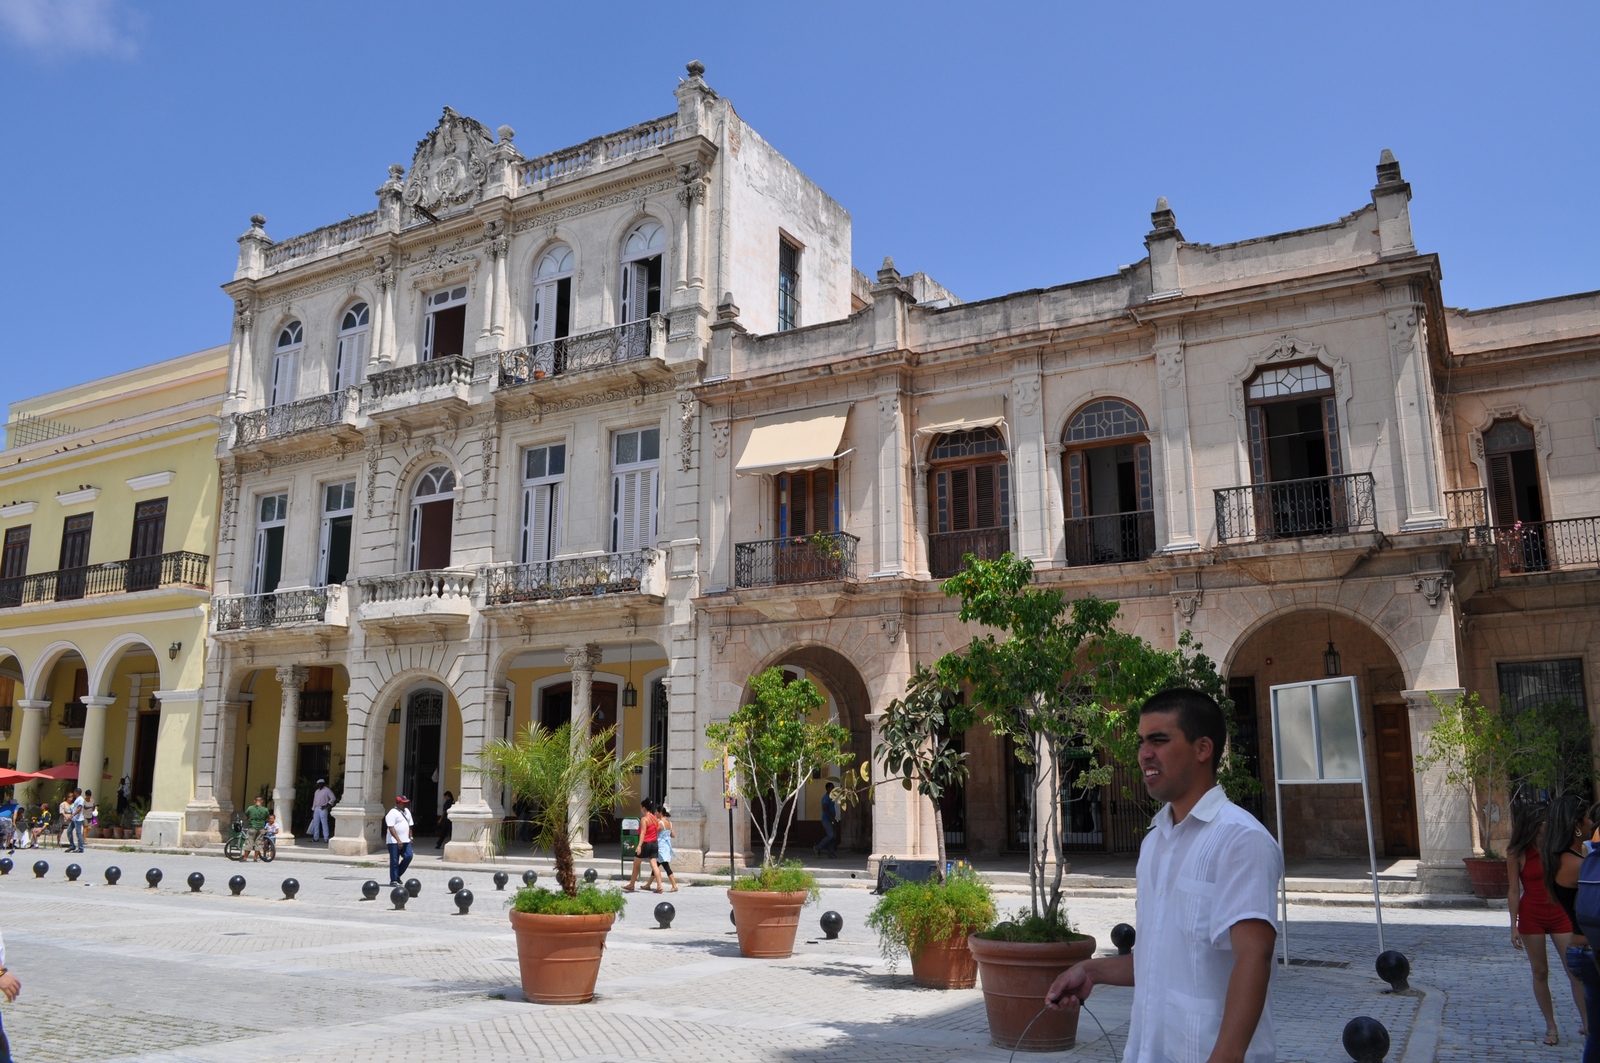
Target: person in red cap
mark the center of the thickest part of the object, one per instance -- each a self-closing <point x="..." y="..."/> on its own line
<point x="397" y="833"/>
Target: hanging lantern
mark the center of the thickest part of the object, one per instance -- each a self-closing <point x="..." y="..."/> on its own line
<point x="1330" y="661"/>
<point x="630" y="695"/>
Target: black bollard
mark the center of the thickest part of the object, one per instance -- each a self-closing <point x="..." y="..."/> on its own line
<point x="1122" y="937"/>
<point x="455" y="885"/>
<point x="113" y="873"/>
<point x="369" y="890"/>
<point x="1394" y="968"/>
<point x="6" y="865"/>
<point x="832" y="923"/>
<point x="529" y="877"/>
<point x="1366" y="1040"/>
<point x="591" y="876"/>
<point x="500" y="880"/>
<point x="73" y="871"/>
<point x="398" y="897"/>
<point x="196" y="880"/>
<point x="665" y="913"/>
<point x="413" y="886"/>
<point x="463" y="900"/>
<point x="40" y="869"/>
<point x="153" y="877"/>
<point x="236" y="885"/>
<point x="733" y="917"/>
<point x="290" y="888"/>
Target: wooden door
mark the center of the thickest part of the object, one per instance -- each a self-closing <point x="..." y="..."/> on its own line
<point x="1396" y="784"/>
<point x="144" y="552"/>
<point x="74" y="556"/>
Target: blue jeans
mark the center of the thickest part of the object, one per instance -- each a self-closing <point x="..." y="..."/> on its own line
<point x="75" y="834"/>
<point x="1580" y="961"/>
<point x="5" y="1046"/>
<point x="399" y="860"/>
<point x="830" y="838"/>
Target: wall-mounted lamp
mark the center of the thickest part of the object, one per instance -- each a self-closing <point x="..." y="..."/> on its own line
<point x="1330" y="661"/>
<point x="172" y="651"/>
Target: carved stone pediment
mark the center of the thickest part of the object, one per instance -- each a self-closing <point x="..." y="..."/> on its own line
<point x="451" y="165"/>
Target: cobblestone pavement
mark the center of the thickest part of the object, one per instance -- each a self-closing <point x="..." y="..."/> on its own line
<point x="130" y="973"/>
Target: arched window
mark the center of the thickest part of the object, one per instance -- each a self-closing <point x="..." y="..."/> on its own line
<point x="970" y="497"/>
<point x="1514" y="496"/>
<point x="286" y="364"/>
<point x="350" y="358"/>
<point x="1106" y="468"/>
<point x="552" y="295"/>
<point x="642" y="253"/>
<point x="1294" y="425"/>
<point x="432" y="509"/>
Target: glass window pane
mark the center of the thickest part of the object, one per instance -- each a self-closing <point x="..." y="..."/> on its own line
<point x="1296" y="742"/>
<point x="650" y="444"/>
<point x="333" y="498"/>
<point x="536" y="458"/>
<point x="1341" y="735"/>
<point x="627" y="448"/>
<point x="558" y="459"/>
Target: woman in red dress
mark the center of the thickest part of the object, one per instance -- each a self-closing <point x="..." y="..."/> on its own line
<point x="1534" y="915"/>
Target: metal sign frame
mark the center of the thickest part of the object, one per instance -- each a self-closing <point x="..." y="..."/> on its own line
<point x="1279" y="782"/>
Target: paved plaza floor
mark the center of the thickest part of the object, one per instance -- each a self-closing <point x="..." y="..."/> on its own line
<point x="130" y="973"/>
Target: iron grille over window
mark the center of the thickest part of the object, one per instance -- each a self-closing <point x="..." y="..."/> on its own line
<point x="1526" y="684"/>
<point x="788" y="286"/>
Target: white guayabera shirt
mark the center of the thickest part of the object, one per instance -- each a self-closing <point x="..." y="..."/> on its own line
<point x="1196" y="880"/>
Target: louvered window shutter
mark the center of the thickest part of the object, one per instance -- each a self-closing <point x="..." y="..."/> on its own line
<point x="633" y="497"/>
<point x="539" y="533"/>
<point x="1330" y="418"/>
<point x="983" y="488"/>
<point x="1075" y="484"/>
<point x="960" y="500"/>
<point x="544" y="314"/>
<point x="941" y="501"/>
<point x="284" y="371"/>
<point x="1258" y="450"/>
<point x="797" y="504"/>
<point x="823" y="518"/>
<point x="1503" y="492"/>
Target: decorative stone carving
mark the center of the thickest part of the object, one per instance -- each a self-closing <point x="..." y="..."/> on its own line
<point x="1026" y="392"/>
<point x="243" y="316"/>
<point x="374" y="452"/>
<point x="589" y="206"/>
<point x="1433" y="586"/>
<point x="585" y="658"/>
<point x="441" y="257"/>
<point x="719" y="638"/>
<point x="719" y="439"/>
<point x="1187" y="604"/>
<point x="1169" y="363"/>
<point x="892" y="626"/>
<point x="488" y="442"/>
<point x="1287" y="347"/>
<point x="451" y="164"/>
<point x="686" y="407"/>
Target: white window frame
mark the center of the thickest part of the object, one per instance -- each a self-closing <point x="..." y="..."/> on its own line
<point x="278" y="518"/>
<point x="347" y="508"/>
<point x="350" y="353"/>
<point x="644" y="241"/>
<point x="631" y="483"/>
<point x="286" y="364"/>
<point x="554" y="266"/>
<point x="443" y="299"/>
<point x="419" y="500"/>
<point x="544" y="496"/>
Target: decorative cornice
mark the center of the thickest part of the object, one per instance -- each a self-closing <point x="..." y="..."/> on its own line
<point x="588" y="206"/>
<point x="74" y="498"/>
<point x="150" y="480"/>
<point x="349" y="277"/>
<point x="17" y="509"/>
<point x="335" y="449"/>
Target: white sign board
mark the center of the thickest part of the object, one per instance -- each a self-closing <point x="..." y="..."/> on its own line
<point x="1316" y="732"/>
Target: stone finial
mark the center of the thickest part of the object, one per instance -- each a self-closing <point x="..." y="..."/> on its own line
<point x="727" y="309"/>
<point x="506" y="134"/>
<point x="258" y="221"/>
<point x="696" y="68"/>
<point x="1162" y="219"/>
<point x="887" y="274"/>
<point x="1388" y="169"/>
<point x="397" y="173"/>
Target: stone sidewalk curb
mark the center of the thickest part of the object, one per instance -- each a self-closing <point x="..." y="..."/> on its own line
<point x="1423" y="1044"/>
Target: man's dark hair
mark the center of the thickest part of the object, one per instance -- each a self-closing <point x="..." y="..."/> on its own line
<point x="826" y="787"/>
<point x="1199" y="716"/>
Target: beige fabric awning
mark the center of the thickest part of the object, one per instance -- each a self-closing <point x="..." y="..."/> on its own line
<point x="962" y="415"/>
<point x="806" y="439"/>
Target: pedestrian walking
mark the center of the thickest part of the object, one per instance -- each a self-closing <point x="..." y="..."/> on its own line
<point x="124" y="798"/>
<point x="1207" y="879"/>
<point x="1534" y="915"/>
<point x="830" y="824"/>
<point x="255" y="818"/>
<point x="75" y="824"/>
<point x="1567" y="825"/>
<point x="664" y="847"/>
<point x="322" y="802"/>
<point x="63" y="820"/>
<point x="9" y="988"/>
<point x="397" y="827"/>
<point x="649" y="832"/>
<point x="444" y="820"/>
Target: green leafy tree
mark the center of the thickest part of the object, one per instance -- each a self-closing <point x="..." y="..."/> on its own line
<point x="563" y="775"/>
<point x="777" y="748"/>
<point x="1478" y="749"/>
<point x="918" y="744"/>
<point x="1552" y="752"/>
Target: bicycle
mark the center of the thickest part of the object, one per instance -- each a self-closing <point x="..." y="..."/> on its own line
<point x="234" y="848"/>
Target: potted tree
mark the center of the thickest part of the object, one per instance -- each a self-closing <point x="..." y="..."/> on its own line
<point x="930" y="922"/>
<point x="1477" y="748"/>
<point x="563" y="775"/>
<point x="776" y="749"/>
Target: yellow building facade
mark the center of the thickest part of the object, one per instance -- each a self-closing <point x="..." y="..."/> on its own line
<point x="108" y="512"/>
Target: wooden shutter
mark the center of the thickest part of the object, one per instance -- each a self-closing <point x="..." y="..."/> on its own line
<point x="1501" y="490"/>
<point x="75" y="540"/>
<point x="1142" y="456"/>
<point x="285" y="377"/>
<point x="635" y="291"/>
<point x="1258" y="449"/>
<point x="540" y="520"/>
<point x="433" y="534"/>
<point x="149" y="528"/>
<point x="823" y="498"/>
<point x="633" y="510"/>
<point x="1075" y="484"/>
<point x="544" y="314"/>
<point x="985" y="506"/>
<point x="797" y="503"/>
<point x="941" y="501"/>
<point x="14" y="562"/>
<point x="1330" y="435"/>
<point x="960" y="499"/>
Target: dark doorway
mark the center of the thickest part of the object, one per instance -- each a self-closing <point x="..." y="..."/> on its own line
<point x="555" y="706"/>
<point x="555" y="710"/>
<point x="75" y="533"/>
<point x="1396" y="783"/>
<point x="658" y="741"/>
<point x="449" y="332"/>
<point x="144" y="758"/>
<point x="424" y="735"/>
<point x="338" y="549"/>
<point x="953" y="805"/>
<point x="1246" y="737"/>
<point x="313" y="763"/>
<point x="144" y="552"/>
<point x="433" y="534"/>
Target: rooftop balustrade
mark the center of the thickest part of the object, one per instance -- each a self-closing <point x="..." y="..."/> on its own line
<point x="317" y="241"/>
<point x="601" y="152"/>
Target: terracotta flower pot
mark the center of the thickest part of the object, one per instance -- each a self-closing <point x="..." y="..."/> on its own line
<point x="946" y="964"/>
<point x="1490" y="880"/>
<point x="1016" y="976"/>
<point x="560" y="955"/>
<point x="766" y="922"/>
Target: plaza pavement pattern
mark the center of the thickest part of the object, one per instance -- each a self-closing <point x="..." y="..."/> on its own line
<point x="162" y="975"/>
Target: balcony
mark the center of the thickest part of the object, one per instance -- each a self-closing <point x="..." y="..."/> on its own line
<point x="1296" y="509"/>
<point x="1469" y="509"/>
<point x="407" y="386"/>
<point x="632" y="342"/>
<point x="1548" y="545"/>
<point x="1111" y="539"/>
<point x="179" y="569"/>
<point x="569" y="577"/>
<point x="278" y="610"/>
<point x="293" y="418"/>
<point x="427" y="597"/>
<point x="316" y="706"/>
<point x="947" y="551"/>
<point x="819" y="558"/>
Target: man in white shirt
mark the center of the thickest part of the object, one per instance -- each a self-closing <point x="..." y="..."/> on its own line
<point x="397" y="833"/>
<point x="1207" y="885"/>
<point x="10" y="987"/>
<point x="321" y="802"/>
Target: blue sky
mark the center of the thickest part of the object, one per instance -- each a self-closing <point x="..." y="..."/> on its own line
<point x="996" y="146"/>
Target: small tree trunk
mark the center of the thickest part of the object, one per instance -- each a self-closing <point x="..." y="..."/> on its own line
<point x="566" y="875"/>
<point x="938" y="837"/>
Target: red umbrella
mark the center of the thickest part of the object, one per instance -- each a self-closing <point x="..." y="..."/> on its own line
<point x="11" y="778"/>
<point x="69" y="770"/>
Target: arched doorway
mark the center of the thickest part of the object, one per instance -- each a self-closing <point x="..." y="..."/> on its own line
<point x="969" y="493"/>
<point x="1327" y="822"/>
<point x="1107" y="471"/>
<point x="432" y="512"/>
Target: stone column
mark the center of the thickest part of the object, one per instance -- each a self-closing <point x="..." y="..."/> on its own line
<point x="223" y="756"/>
<point x="889" y="553"/>
<point x="239" y="361"/>
<point x="383" y="329"/>
<point x="93" y="752"/>
<point x="358" y="817"/>
<point x="177" y="762"/>
<point x="502" y="291"/>
<point x="471" y="816"/>
<point x="1055" y="508"/>
<point x="1444" y="817"/>
<point x="1029" y="493"/>
<point x="1182" y="534"/>
<point x="922" y="517"/>
<point x="582" y="660"/>
<point x="28" y="741"/>
<point x="1415" y="433"/>
<point x="693" y="196"/>
<point x="494" y="244"/>
<point x="292" y="676"/>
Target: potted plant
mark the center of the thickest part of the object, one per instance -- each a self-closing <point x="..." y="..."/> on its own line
<point x="138" y="808"/>
<point x="563" y="775"/>
<point x="1477" y="747"/>
<point x="930" y="922"/>
<point x="776" y="748"/>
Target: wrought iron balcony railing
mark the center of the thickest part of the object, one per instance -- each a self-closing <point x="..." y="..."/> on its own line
<point x="178" y="569"/>
<point x="1543" y="546"/>
<point x="251" y="612"/>
<point x="571" y="354"/>
<point x="291" y="418"/>
<point x="1469" y="508"/>
<point x="948" y="550"/>
<point x="797" y="559"/>
<point x="405" y="379"/>
<point x="1294" y="509"/>
<point x="74" y="714"/>
<point x="316" y="706"/>
<point x="1111" y="538"/>
<point x="566" y="577"/>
